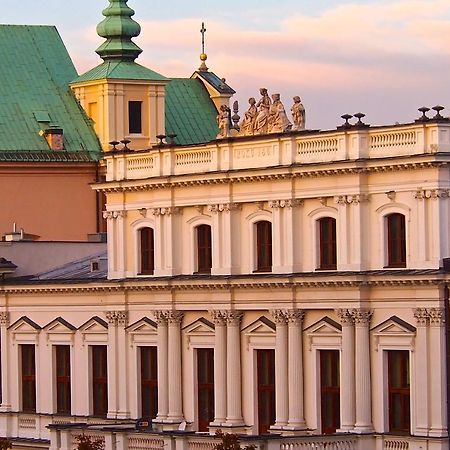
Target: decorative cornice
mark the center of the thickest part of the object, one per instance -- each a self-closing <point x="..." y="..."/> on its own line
<point x="361" y="316"/>
<point x="313" y="173"/>
<point x="117" y="317"/>
<point x="345" y="316"/>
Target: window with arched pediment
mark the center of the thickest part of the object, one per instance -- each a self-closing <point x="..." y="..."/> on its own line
<point x="396" y="240"/>
<point x="147" y="250"/>
<point x="263" y="246"/>
<point x="327" y="243"/>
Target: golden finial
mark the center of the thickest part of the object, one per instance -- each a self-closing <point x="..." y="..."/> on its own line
<point x="203" y="56"/>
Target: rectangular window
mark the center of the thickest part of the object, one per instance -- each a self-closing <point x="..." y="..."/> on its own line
<point x="28" y="359"/>
<point x="327" y="244"/>
<point x="266" y="389"/>
<point x="205" y="387"/>
<point x="99" y="380"/>
<point x="149" y="382"/>
<point x="329" y="391"/>
<point x="147" y="251"/>
<point x="63" y="396"/>
<point x="204" y="252"/>
<point x="135" y="117"/>
<point x="399" y="391"/>
<point x="263" y="246"/>
<point x="396" y="238"/>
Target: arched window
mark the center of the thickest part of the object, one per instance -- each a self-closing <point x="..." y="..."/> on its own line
<point x="204" y="249"/>
<point x="147" y="243"/>
<point x="327" y="244"/>
<point x="263" y="246"/>
<point x="396" y="240"/>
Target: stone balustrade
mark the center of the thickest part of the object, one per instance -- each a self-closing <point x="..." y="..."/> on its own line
<point x="286" y="149"/>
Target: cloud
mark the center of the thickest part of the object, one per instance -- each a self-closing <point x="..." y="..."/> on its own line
<point x="384" y="50"/>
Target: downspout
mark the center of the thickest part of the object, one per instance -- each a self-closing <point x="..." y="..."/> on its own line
<point x="97" y="200"/>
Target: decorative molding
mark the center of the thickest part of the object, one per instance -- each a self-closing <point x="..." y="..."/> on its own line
<point x="437" y="316"/>
<point x="4" y="319"/>
<point x="166" y="211"/>
<point x="345" y="316"/>
<point x="279" y="316"/>
<point x="295" y="316"/>
<point x="234" y="318"/>
<point x="259" y="205"/>
<point x="275" y="204"/>
<point x="160" y="317"/>
<point x="110" y="215"/>
<point x="219" y="317"/>
<point x="362" y="316"/>
<point x="143" y="212"/>
<point x="421" y="315"/>
<point x="224" y="207"/>
<point x="174" y="317"/>
<point x="434" y="194"/>
<point x="117" y="318"/>
<point x="391" y="195"/>
<point x="354" y="199"/>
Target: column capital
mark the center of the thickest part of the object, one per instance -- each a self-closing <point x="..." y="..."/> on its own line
<point x="117" y="317"/>
<point x="362" y="316"/>
<point x="234" y="317"/>
<point x="4" y="318"/>
<point x="437" y="316"/>
<point x="160" y="317"/>
<point x="345" y="316"/>
<point x="295" y="316"/>
<point x="421" y="316"/>
<point x="279" y="316"/>
<point x="218" y="317"/>
<point x="174" y="316"/>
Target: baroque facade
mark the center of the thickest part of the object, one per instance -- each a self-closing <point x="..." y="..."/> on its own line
<point x="289" y="287"/>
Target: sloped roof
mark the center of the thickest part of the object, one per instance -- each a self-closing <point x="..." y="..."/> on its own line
<point x="190" y="112"/>
<point x="120" y="70"/>
<point x="34" y="94"/>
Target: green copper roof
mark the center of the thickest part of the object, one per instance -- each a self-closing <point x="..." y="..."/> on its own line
<point x="120" y="70"/>
<point x="118" y="28"/>
<point x="190" y="113"/>
<point x="34" y="76"/>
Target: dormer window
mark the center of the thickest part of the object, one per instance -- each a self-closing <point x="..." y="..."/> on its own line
<point x="135" y="117"/>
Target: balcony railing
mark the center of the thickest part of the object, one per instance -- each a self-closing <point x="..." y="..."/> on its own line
<point x="268" y="151"/>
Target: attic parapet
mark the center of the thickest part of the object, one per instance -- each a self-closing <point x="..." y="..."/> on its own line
<point x="281" y="150"/>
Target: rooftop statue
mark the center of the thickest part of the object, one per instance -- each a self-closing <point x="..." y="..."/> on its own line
<point x="262" y="118"/>
<point x="278" y="121"/>
<point x="298" y="114"/>
<point x="224" y="122"/>
<point x="248" y="123"/>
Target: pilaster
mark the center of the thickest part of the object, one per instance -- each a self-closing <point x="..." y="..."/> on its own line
<point x="163" y="370"/>
<point x="4" y="342"/>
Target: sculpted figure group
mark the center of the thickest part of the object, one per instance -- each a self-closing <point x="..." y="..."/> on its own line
<point x="269" y="116"/>
<point x="263" y="117"/>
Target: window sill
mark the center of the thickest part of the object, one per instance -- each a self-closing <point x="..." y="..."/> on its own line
<point x="323" y="269"/>
<point x="395" y="266"/>
<point x="262" y="271"/>
<point x="145" y="274"/>
<point x="202" y="272"/>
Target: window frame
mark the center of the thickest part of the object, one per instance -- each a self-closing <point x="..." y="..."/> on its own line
<point x="327" y="225"/>
<point x="402" y="391"/>
<point x="205" y="388"/>
<point x="150" y="383"/>
<point x="395" y="226"/>
<point x="135" y="117"/>
<point x="28" y="364"/>
<point x="146" y="250"/>
<point x="203" y="244"/>
<point x="263" y="246"/>
<point x="98" y="381"/>
<point x="64" y="381"/>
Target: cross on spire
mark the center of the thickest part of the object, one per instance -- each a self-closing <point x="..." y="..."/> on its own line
<point x="203" y="31"/>
<point x="203" y="56"/>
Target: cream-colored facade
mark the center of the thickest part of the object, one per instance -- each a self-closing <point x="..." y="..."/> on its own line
<point x="363" y="310"/>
